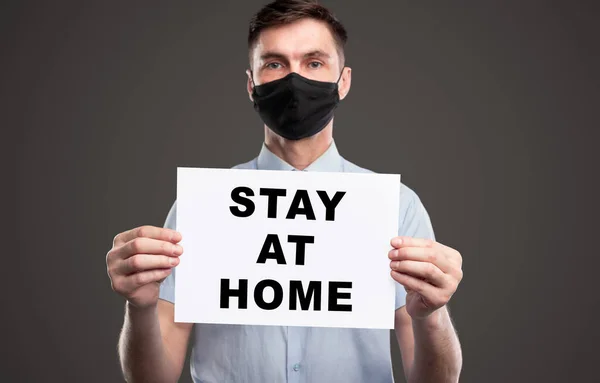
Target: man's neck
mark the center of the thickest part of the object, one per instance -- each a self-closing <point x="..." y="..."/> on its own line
<point x="301" y="153"/>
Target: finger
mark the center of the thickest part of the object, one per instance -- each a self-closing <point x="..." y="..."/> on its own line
<point x="142" y="245"/>
<point x="432" y="295"/>
<point x="421" y="254"/>
<point x="147" y="231"/>
<point x="143" y="262"/>
<point x="402" y="241"/>
<point x="137" y="280"/>
<point x="422" y="270"/>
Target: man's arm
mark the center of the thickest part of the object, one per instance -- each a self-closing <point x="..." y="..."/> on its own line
<point x="152" y="347"/>
<point x="430" y="273"/>
<point x="429" y="346"/>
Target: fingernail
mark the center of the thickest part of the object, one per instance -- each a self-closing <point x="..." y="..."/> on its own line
<point x="178" y="250"/>
<point x="393" y="254"/>
<point x="173" y="261"/>
<point x="397" y="242"/>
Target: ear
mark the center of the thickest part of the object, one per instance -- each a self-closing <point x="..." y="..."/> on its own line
<point x="249" y="84"/>
<point x="345" y="81"/>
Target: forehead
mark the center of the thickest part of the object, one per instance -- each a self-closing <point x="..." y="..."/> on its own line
<point x="295" y="39"/>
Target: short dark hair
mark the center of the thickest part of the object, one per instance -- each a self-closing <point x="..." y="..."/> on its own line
<point x="281" y="12"/>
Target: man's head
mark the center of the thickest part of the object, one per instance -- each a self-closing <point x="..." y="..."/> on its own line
<point x="297" y="36"/>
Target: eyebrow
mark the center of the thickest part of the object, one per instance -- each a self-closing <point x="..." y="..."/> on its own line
<point x="317" y="53"/>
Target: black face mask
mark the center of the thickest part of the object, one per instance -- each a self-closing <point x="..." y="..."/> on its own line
<point x="296" y="107"/>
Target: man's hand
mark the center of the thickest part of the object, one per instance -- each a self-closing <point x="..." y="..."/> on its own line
<point x="140" y="260"/>
<point x="429" y="271"/>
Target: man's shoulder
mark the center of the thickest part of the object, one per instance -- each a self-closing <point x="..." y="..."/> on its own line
<point x="351" y="167"/>
<point x="406" y="193"/>
<point x="246" y="165"/>
<point x="414" y="220"/>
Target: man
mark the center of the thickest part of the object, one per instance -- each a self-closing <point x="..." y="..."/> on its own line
<point x="296" y="78"/>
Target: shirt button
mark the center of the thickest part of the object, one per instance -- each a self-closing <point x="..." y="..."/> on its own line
<point x="296" y="367"/>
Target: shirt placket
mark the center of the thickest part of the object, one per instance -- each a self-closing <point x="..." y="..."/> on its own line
<point x="295" y="368"/>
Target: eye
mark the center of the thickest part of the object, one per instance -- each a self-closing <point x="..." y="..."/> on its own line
<point x="314" y="64"/>
<point x="273" y="65"/>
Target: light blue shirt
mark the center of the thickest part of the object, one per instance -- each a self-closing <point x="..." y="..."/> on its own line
<point x="271" y="354"/>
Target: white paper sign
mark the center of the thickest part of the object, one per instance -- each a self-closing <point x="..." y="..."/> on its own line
<point x="286" y="248"/>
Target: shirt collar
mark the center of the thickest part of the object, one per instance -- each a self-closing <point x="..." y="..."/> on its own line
<point x="330" y="161"/>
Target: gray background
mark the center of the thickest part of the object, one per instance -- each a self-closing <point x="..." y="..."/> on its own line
<point x="487" y="109"/>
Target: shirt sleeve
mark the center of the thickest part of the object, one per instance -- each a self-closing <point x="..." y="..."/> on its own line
<point x="167" y="287"/>
<point x="414" y="222"/>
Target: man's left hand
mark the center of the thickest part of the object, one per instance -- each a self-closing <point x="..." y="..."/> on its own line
<point x="429" y="271"/>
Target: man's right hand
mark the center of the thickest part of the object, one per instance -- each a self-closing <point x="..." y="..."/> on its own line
<point x="140" y="260"/>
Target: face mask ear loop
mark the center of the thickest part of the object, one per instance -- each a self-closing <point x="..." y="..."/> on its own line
<point x="341" y="73"/>
<point x="252" y="79"/>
